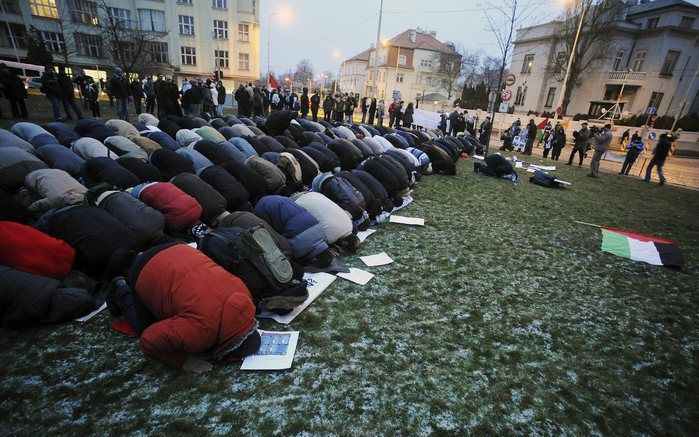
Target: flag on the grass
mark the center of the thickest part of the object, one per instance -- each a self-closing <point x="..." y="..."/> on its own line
<point x="638" y="247"/>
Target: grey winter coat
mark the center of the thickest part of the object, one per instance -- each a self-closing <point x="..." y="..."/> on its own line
<point x="88" y="148"/>
<point x="8" y="139"/>
<point x="15" y="164"/>
<point x="336" y="223"/>
<point x="56" y="187"/>
<point x="123" y="146"/>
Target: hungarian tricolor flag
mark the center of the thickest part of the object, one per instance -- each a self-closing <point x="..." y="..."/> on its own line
<point x="638" y="247"/>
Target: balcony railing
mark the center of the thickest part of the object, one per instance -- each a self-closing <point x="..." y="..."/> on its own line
<point x="626" y="76"/>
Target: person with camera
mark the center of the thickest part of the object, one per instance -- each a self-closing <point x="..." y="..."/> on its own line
<point x="602" y="141"/>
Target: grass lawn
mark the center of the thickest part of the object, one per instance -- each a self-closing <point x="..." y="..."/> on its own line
<point x="501" y="316"/>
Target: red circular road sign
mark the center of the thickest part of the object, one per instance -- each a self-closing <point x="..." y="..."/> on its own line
<point x="510" y="79"/>
<point x="559" y="110"/>
<point x="506" y="95"/>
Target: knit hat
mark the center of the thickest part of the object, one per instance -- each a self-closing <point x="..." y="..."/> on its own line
<point x="118" y="71"/>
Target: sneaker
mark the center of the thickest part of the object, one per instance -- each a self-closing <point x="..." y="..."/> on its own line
<point x="114" y="285"/>
<point x="261" y="243"/>
<point x="661" y="183"/>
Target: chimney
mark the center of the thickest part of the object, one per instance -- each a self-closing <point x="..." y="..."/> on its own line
<point x="433" y="33"/>
<point x="413" y="36"/>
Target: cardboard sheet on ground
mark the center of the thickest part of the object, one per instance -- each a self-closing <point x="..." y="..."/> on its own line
<point x="407" y="200"/>
<point x="415" y="221"/>
<point x="276" y="352"/>
<point x="317" y="283"/>
<point x="482" y="158"/>
<point x="380" y="259"/>
<point x="87" y="317"/>
<point x="543" y="167"/>
<point x="362" y="235"/>
<point x="358" y="276"/>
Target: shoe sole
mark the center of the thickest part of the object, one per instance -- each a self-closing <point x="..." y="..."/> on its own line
<point x="274" y="259"/>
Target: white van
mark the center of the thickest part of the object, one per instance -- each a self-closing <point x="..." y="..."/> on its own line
<point x="29" y="73"/>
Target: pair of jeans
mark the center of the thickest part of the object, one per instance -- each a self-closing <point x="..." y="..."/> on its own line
<point x="580" y="152"/>
<point x="56" y="107"/>
<point x="122" y="109"/>
<point x="150" y="104"/>
<point x="219" y="110"/>
<point x="631" y="156"/>
<point x="137" y="104"/>
<point x="655" y="163"/>
<point x="596" y="158"/>
<point x="528" y="148"/>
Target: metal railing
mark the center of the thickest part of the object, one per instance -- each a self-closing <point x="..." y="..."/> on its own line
<point x="633" y="76"/>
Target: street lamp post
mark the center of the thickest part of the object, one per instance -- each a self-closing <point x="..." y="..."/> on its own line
<point x="570" y="62"/>
<point x="269" y="35"/>
<point x="376" y="52"/>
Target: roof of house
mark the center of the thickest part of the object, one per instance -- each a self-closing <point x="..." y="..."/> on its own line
<point x="363" y="56"/>
<point x="658" y="4"/>
<point x="423" y="41"/>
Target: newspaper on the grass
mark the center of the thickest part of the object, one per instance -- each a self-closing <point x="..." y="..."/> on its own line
<point x="415" y="221"/>
<point x="276" y="351"/>
<point x="379" y="259"/>
<point x="358" y="276"/>
<point x="362" y="235"/>
<point x="317" y="283"/>
<point x="87" y="317"/>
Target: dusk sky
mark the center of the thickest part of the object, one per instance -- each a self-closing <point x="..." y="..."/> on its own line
<point x="327" y="32"/>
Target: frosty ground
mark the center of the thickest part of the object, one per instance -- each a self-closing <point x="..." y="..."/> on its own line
<point x="501" y="316"/>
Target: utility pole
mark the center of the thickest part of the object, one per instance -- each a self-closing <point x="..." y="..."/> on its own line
<point x="376" y="52"/>
<point x="570" y="62"/>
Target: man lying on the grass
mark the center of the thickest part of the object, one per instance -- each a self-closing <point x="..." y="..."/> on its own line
<point x="496" y="166"/>
<point x="185" y="308"/>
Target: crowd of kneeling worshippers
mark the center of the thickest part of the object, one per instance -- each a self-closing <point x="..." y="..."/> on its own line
<point x="186" y="226"/>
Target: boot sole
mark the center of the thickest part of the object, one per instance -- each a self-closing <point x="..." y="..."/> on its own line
<point x="274" y="259"/>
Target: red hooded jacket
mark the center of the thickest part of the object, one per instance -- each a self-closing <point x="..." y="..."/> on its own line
<point x="32" y="251"/>
<point x="181" y="210"/>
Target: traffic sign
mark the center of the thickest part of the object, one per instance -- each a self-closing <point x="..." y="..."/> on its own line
<point x="652" y="135"/>
<point x="506" y="95"/>
<point x="510" y="79"/>
<point x="651" y="110"/>
<point x="559" y="110"/>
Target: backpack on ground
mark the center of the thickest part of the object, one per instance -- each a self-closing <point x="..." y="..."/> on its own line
<point x="253" y="256"/>
<point x="545" y="180"/>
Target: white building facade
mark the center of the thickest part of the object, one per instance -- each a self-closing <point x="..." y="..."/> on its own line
<point x="653" y="52"/>
<point x="186" y="38"/>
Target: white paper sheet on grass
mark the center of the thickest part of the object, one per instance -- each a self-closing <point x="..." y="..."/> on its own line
<point x="358" y="276"/>
<point x="543" y="167"/>
<point x="84" y="319"/>
<point x="380" y="259"/>
<point x="482" y="158"/>
<point x="407" y="200"/>
<point x="362" y="235"/>
<point x="276" y="351"/>
<point x="415" y="221"/>
<point x="317" y="283"/>
<point x="518" y="164"/>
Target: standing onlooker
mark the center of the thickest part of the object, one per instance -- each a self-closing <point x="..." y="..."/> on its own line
<point x="442" y="126"/>
<point x="108" y="91"/>
<point x="14" y="91"/>
<point x="635" y="136"/>
<point x="531" y="136"/>
<point x="305" y="103"/>
<point x="149" y="89"/>
<point x="364" y="108"/>
<point x="545" y="134"/>
<point x="119" y="87"/>
<point x="327" y="107"/>
<point x="221" y="98"/>
<point x="350" y="104"/>
<point x="315" y="105"/>
<point x="243" y="98"/>
<point x="52" y="89"/>
<point x="602" y="142"/>
<point x="399" y="115"/>
<point x="92" y="96"/>
<point x="257" y="102"/>
<point x="214" y="97"/>
<point x="558" y="142"/>
<point x="372" y="111"/>
<point x="408" y="116"/>
<point x="392" y="113"/>
<point x="662" y="150"/>
<point x="137" y="94"/>
<point x="624" y="139"/>
<point x="633" y="150"/>
<point x="174" y="94"/>
<point x="452" y="119"/>
<point x="484" y="131"/>
<point x="380" y="111"/>
<point x="339" y="111"/>
<point x="581" y="139"/>
<point x="68" y="94"/>
<point x="207" y="100"/>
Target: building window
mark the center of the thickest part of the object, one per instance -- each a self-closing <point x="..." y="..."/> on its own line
<point x="560" y="61"/>
<point x="43" y="8"/>
<point x="429" y="80"/>
<point x="655" y="100"/>
<point x="618" y="59"/>
<point x="639" y="61"/>
<point x="221" y="58"/>
<point x="399" y="78"/>
<point x="184" y="2"/>
<point x="84" y="12"/>
<point x="120" y="17"/>
<point x="243" y="61"/>
<point x="528" y="64"/>
<point x="521" y="95"/>
<point x="220" y="4"/>
<point x="15" y="35"/>
<point x="652" y="23"/>
<point x="159" y="52"/>
<point x="54" y="41"/>
<point x="243" y="32"/>
<point x="402" y="60"/>
<point x="687" y="22"/>
<point x="189" y="55"/>
<point x="186" y="25"/>
<point x="611" y="92"/>
<point x="670" y="62"/>
<point x="10" y="7"/>
<point x="152" y="20"/>
<point x="425" y="63"/>
<point x="89" y="45"/>
<point x="549" y="97"/>
<point x="220" y="29"/>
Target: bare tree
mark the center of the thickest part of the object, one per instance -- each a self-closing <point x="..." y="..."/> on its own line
<point x="593" y="44"/>
<point x="304" y="72"/>
<point x="65" y="28"/>
<point x="448" y="68"/>
<point x="125" y="43"/>
<point x="470" y="61"/>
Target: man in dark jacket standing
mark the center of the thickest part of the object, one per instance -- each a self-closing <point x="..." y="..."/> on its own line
<point x="149" y="89"/>
<point x="14" y="91"/>
<point x="305" y="103"/>
<point x="315" y="105"/>
<point x="67" y="94"/>
<point x="581" y="138"/>
<point x="52" y="89"/>
<point x="221" y="98"/>
<point x="662" y="150"/>
<point x="328" y="104"/>
<point x="119" y="87"/>
<point x="531" y="136"/>
<point x="243" y="98"/>
<point x="137" y="94"/>
<point x="484" y="132"/>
